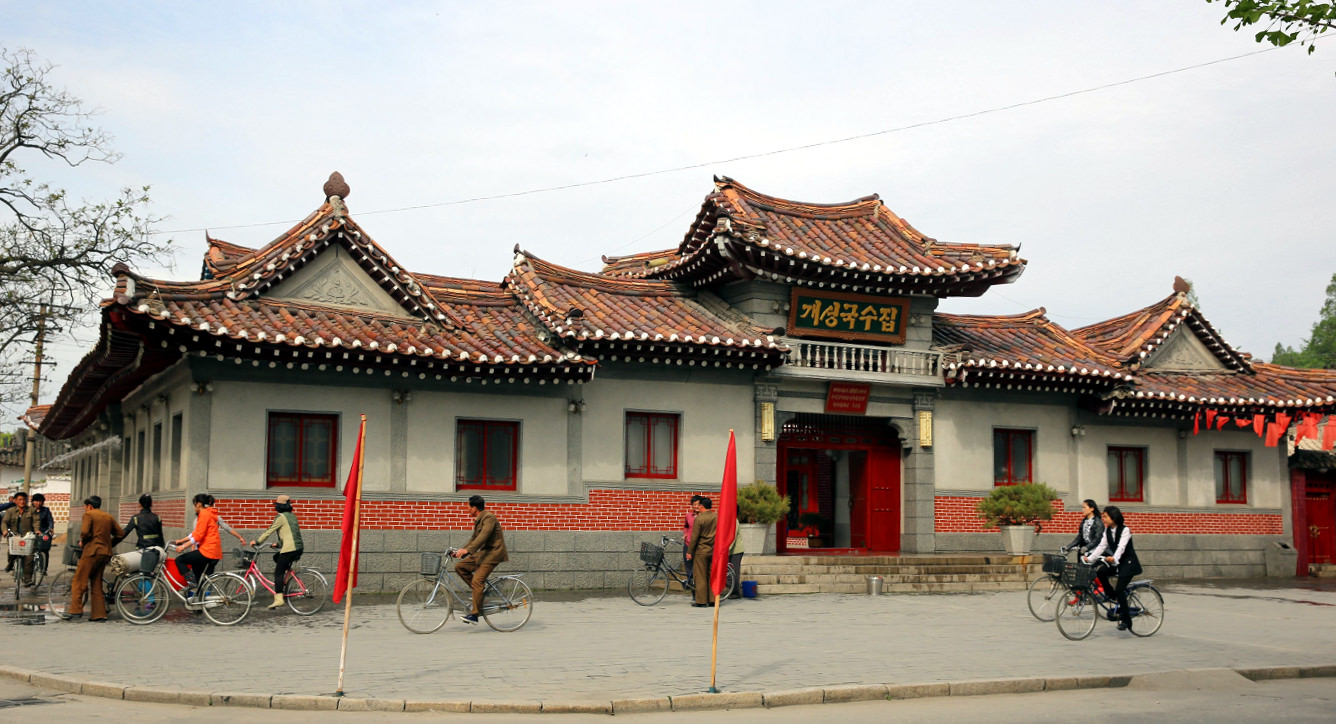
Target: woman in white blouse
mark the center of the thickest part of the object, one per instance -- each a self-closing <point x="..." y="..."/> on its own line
<point x="1119" y="556"/>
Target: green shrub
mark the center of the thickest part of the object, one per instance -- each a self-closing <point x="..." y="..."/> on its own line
<point x="1023" y="504"/>
<point x="761" y="503"/>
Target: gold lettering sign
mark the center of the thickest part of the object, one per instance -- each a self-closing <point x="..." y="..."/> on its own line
<point x="816" y="313"/>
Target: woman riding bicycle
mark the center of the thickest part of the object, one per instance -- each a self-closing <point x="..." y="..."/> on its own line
<point x="1121" y="560"/>
<point x="208" y="546"/>
<point x="1091" y="531"/>
<point x="290" y="544"/>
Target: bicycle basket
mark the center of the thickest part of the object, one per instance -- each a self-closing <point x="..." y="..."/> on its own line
<point x="148" y="563"/>
<point x="21" y="546"/>
<point x="1054" y="563"/>
<point x="1077" y="575"/>
<point x="431" y="564"/>
<point x="651" y="554"/>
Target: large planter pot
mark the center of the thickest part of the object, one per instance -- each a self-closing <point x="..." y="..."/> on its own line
<point x="1017" y="539"/>
<point x="753" y="537"/>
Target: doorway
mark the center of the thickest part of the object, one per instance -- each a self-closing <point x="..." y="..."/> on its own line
<point x="1321" y="513"/>
<point x="842" y="476"/>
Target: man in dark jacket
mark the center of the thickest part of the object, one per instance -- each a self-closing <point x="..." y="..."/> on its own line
<point x="146" y="524"/>
<point x="702" y="549"/>
<point x="484" y="551"/>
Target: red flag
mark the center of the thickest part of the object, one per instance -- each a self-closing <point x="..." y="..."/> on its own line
<point x="1274" y="431"/>
<point x="352" y="492"/>
<point x="1329" y="434"/>
<point x="1220" y="421"/>
<point x="1307" y="428"/>
<point x="1259" y="424"/>
<point x="726" y="527"/>
<point x="1243" y="422"/>
<point x="1196" y="423"/>
<point x="1210" y="419"/>
<point x="1283" y="420"/>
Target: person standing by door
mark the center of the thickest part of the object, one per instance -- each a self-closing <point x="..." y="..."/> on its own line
<point x="96" y="533"/>
<point x="701" y="549"/>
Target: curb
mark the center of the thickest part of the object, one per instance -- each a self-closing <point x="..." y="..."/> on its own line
<point x="680" y="702"/>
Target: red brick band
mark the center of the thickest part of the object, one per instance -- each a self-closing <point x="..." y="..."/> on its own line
<point x="956" y="515"/>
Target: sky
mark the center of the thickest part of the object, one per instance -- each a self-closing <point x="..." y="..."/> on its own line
<point x="235" y="114"/>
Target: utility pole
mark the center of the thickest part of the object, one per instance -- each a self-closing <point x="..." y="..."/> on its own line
<point x="30" y="450"/>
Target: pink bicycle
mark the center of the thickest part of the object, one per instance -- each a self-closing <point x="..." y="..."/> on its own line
<point x="305" y="590"/>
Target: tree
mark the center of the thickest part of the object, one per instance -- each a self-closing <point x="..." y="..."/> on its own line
<point x="1282" y="22"/>
<point x="1319" y="350"/>
<point x="55" y="253"/>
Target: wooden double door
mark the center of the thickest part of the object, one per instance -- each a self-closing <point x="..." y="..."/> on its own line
<point x="1321" y="514"/>
<point x="858" y="472"/>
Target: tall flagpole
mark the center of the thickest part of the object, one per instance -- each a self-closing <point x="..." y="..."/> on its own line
<point x="721" y="537"/>
<point x="352" y="564"/>
<point x="714" y="647"/>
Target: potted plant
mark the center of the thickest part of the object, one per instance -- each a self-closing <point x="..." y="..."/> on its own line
<point x="1017" y="510"/>
<point x="813" y="526"/>
<point x="760" y="506"/>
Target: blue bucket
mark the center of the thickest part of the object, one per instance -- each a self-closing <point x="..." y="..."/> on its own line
<point x="749" y="589"/>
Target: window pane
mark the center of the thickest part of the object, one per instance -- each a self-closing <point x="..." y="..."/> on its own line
<point x="157" y="456"/>
<point x="1219" y="476"/>
<point x="469" y="454"/>
<point x="1000" y="457"/>
<point x="664" y="446"/>
<point x="1020" y="457"/>
<point x="635" y="444"/>
<point x="500" y="452"/>
<point x="283" y="448"/>
<point x="1236" y="477"/>
<point x="1132" y="474"/>
<point x="316" y="450"/>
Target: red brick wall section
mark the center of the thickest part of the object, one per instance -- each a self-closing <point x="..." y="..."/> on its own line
<point x="59" y="503"/>
<point x="606" y="510"/>
<point x="956" y="515"/>
<point x="172" y="512"/>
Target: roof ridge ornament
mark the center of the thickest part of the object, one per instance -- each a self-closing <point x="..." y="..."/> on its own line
<point x="336" y="190"/>
<point x="1182" y="287"/>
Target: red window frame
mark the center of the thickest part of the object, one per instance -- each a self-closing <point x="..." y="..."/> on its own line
<point x="305" y="422"/>
<point x="1118" y="489"/>
<point x="1010" y="476"/>
<point x="1222" y="482"/>
<point x="484" y="428"/>
<point x="646" y="421"/>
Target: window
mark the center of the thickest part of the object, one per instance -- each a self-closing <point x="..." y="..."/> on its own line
<point x="139" y="462"/>
<point x="157" y="456"/>
<point x="301" y="449"/>
<point x="1127" y="474"/>
<point x="651" y="445"/>
<point x="1012" y="456"/>
<point x="176" y="450"/>
<point x="486" y="454"/>
<point x="1231" y="477"/>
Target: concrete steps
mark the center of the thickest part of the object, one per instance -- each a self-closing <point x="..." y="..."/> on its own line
<point x="900" y="574"/>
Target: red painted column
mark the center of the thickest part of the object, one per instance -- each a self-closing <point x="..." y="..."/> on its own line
<point x="1299" y="518"/>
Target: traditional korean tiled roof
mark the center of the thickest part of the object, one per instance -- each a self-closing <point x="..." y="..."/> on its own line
<point x="1266" y="387"/>
<point x="857" y="246"/>
<point x="1023" y="350"/>
<point x="33" y="416"/>
<point x="1134" y="337"/>
<point x="594" y="311"/>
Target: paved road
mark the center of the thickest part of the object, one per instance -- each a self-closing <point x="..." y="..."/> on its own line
<point x="1212" y="701"/>
<point x="602" y="647"/>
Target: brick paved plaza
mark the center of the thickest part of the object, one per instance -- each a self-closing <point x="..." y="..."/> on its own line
<point x="601" y="647"/>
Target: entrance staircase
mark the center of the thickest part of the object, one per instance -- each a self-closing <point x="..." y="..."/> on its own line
<point x="956" y="573"/>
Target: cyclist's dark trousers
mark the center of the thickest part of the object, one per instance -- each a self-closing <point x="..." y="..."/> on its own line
<point x="89" y="570"/>
<point x="475" y="576"/>
<point x="282" y="564"/>
<point x="198" y="565"/>
<point x="1120" y="591"/>
<point x="27" y="568"/>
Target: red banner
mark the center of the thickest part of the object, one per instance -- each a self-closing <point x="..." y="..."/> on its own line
<point x="845" y="398"/>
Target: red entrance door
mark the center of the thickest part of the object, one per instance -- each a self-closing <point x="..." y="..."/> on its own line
<point x="1321" y="521"/>
<point x="883" y="486"/>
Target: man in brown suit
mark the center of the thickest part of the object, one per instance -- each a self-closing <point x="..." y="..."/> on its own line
<point x="96" y="535"/>
<point x="702" y="548"/>
<point x="485" y="550"/>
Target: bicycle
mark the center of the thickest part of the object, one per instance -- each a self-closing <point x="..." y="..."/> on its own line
<point x="20" y="547"/>
<point x="1079" y="608"/>
<point x="427" y="603"/>
<point x="305" y="590"/>
<point x="144" y="597"/>
<point x="1045" y="590"/>
<point x="649" y="583"/>
<point x="59" y="591"/>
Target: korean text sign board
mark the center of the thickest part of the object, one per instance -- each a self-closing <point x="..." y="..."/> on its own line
<point x="847" y="399"/>
<point x="816" y="313"/>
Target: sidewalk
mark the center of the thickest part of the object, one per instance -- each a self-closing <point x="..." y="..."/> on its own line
<point x="604" y="648"/>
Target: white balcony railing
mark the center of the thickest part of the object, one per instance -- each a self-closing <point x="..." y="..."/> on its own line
<point x="855" y="358"/>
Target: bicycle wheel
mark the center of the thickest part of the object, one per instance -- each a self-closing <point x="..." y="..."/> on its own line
<point x="424" y="606"/>
<point x="1147" y="607"/>
<point x="142" y="599"/>
<point x="58" y="593"/>
<point x="1075" y="616"/>
<point x="39" y="562"/>
<point x="227" y="599"/>
<point x="507" y="603"/>
<point x="306" y="591"/>
<point x="18" y="577"/>
<point x="647" y="586"/>
<point x="1043" y="596"/>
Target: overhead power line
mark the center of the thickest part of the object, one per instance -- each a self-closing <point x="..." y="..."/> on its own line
<point x="762" y="154"/>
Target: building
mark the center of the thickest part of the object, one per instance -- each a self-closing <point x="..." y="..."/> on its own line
<point x="588" y="407"/>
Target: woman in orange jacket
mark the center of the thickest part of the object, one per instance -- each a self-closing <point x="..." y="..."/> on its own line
<point x="208" y="546"/>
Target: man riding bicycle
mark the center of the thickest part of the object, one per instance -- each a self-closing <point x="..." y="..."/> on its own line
<point x="484" y="551"/>
<point x="21" y="520"/>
